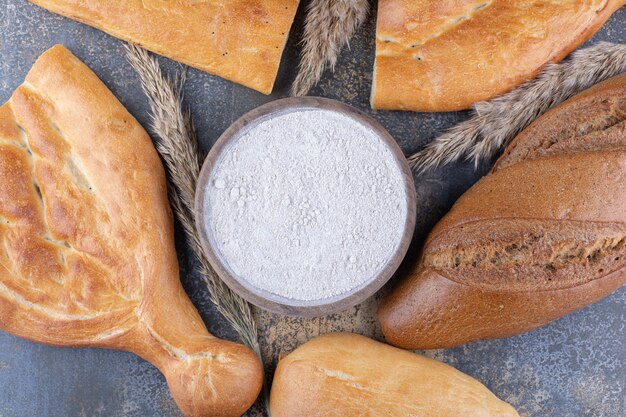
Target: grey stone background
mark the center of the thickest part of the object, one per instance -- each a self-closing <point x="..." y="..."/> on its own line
<point x="575" y="366"/>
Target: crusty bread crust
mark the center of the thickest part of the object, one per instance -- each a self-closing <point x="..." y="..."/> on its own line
<point x="431" y="311"/>
<point x="240" y="40"/>
<point x="436" y="55"/>
<point x="87" y="253"/>
<point x="599" y="114"/>
<point x="344" y="374"/>
<point x="542" y="235"/>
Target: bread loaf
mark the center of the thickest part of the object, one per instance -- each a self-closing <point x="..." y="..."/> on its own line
<point x="87" y="253"/>
<point x="542" y="235"/>
<point x="434" y="55"/>
<point x="240" y="40"/>
<point x="344" y="374"/>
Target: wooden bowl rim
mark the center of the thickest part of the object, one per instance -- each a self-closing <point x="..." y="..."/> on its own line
<point x="265" y="299"/>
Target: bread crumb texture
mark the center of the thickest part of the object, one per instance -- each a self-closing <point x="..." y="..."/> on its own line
<point x="524" y="255"/>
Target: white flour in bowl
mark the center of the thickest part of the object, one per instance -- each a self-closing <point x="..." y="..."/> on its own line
<point x="307" y="205"/>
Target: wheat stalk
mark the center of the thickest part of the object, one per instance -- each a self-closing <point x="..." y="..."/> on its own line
<point x="495" y="123"/>
<point x="328" y="27"/>
<point x="177" y="143"/>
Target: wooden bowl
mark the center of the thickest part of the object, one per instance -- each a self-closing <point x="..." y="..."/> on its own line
<point x="267" y="300"/>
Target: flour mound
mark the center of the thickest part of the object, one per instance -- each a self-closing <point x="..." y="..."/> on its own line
<point x="307" y="205"/>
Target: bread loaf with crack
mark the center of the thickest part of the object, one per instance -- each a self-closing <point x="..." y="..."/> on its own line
<point x="542" y="235"/>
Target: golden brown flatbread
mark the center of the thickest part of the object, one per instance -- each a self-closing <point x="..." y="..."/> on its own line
<point x="240" y="40"/>
<point x="434" y="55"/>
<point x="87" y="253"/>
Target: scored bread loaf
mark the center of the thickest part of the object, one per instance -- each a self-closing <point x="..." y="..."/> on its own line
<point x="239" y="40"/>
<point x="87" y="254"/>
<point x="542" y="235"/>
<point x="434" y="55"/>
<point x="344" y="374"/>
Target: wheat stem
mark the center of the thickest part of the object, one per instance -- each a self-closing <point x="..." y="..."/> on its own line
<point x="495" y="123"/>
<point x="176" y="141"/>
<point x="328" y="27"/>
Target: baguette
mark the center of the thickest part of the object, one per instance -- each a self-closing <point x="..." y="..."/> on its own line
<point x="87" y="254"/>
<point x="239" y="40"/>
<point x="542" y="235"/>
<point x="434" y="55"/>
<point x="344" y="374"/>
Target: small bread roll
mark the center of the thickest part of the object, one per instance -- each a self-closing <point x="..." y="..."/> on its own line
<point x="344" y="374"/>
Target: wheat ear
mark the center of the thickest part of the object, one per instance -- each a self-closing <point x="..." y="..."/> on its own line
<point x="493" y="124"/>
<point x="328" y="27"/>
<point x="176" y="141"/>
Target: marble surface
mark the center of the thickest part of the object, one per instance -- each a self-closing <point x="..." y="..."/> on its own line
<point x="575" y="366"/>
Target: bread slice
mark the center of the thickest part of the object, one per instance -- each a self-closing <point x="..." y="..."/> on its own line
<point x="240" y="40"/>
<point x="344" y="374"/>
<point x="542" y="235"/>
<point x="87" y="254"/>
<point x="436" y="55"/>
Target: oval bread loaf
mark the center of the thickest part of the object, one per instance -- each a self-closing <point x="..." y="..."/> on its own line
<point x="344" y="374"/>
<point x="542" y="235"/>
<point x="434" y="55"/>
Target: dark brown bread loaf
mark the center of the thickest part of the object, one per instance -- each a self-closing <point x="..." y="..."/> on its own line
<point x="542" y="235"/>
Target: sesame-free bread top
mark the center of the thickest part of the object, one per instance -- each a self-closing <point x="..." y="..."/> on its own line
<point x="344" y="374"/>
<point x="87" y="253"/>
<point x="239" y="40"/>
<point x="436" y="55"/>
<point x="543" y="234"/>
